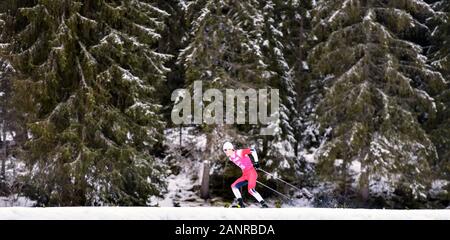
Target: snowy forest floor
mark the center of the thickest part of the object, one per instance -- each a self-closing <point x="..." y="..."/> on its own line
<point x="215" y="213"/>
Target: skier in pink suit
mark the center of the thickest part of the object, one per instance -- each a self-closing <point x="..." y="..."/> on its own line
<point x="241" y="158"/>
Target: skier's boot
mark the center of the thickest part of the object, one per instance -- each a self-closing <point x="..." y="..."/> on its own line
<point x="263" y="204"/>
<point x="238" y="203"/>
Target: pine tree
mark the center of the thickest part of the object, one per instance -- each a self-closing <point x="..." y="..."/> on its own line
<point x="375" y="93"/>
<point x="88" y="72"/>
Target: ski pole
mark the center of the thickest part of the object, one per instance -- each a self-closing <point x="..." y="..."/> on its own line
<point x="262" y="184"/>
<point x="277" y="178"/>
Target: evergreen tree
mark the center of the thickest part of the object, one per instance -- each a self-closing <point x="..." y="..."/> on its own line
<point x="441" y="61"/>
<point x="173" y="39"/>
<point x="7" y="113"/>
<point x="440" y="36"/>
<point x="282" y="146"/>
<point x="364" y="88"/>
<point x="5" y="121"/>
<point x="225" y="43"/>
<point x="293" y="18"/>
<point x="88" y="72"/>
<point x="2" y="110"/>
<point x="224" y="51"/>
<point x="375" y="93"/>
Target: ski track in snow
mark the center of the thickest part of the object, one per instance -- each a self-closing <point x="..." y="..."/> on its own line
<point x="217" y="213"/>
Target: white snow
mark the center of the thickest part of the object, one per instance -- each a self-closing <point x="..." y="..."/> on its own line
<point x="180" y="187"/>
<point x="425" y="96"/>
<point x="338" y="162"/>
<point x="189" y="138"/>
<point x="309" y="157"/>
<point x="128" y="76"/>
<point x="439" y="184"/>
<point x="338" y="12"/>
<point x="4" y="45"/>
<point x="15" y="201"/>
<point x="276" y="31"/>
<point x="114" y="37"/>
<point x="438" y="187"/>
<point x="369" y="16"/>
<point x="154" y="9"/>
<point x="83" y="18"/>
<point x="355" y="166"/>
<point x="179" y="191"/>
<point x="218" y="213"/>
<point x="9" y="136"/>
<point x="305" y="65"/>
<point x="146" y="108"/>
<point x="148" y="31"/>
<point x="440" y="63"/>
<point x="381" y="185"/>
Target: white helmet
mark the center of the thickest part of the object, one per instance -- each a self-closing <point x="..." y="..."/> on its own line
<point x="227" y="145"/>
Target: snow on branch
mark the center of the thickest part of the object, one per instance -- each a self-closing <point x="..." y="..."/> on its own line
<point x="147" y="31"/>
<point x="148" y="6"/>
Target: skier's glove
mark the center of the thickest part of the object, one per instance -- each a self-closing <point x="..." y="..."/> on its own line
<point x="256" y="165"/>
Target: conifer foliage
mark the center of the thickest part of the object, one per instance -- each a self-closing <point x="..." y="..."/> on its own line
<point x="441" y="61"/>
<point x="377" y="89"/>
<point x="85" y="96"/>
<point x="89" y="69"/>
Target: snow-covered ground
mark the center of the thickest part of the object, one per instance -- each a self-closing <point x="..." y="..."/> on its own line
<point x="180" y="190"/>
<point x="15" y="201"/>
<point x="217" y="213"/>
<point x="179" y="193"/>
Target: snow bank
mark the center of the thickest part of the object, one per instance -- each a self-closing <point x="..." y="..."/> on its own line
<point x="211" y="213"/>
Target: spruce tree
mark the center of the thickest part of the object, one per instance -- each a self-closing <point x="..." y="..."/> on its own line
<point x="281" y="146"/>
<point x="88" y="70"/>
<point x="7" y="113"/>
<point x="293" y="18"/>
<point x="5" y="121"/>
<point x="225" y="43"/>
<point x="225" y="51"/>
<point x="173" y="39"/>
<point x="441" y="61"/>
<point x="251" y="44"/>
<point x="375" y="91"/>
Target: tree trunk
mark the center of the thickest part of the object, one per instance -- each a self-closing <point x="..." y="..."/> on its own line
<point x="364" y="188"/>
<point x="364" y="182"/>
<point x="204" y="190"/>
<point x="3" y="157"/>
<point x="181" y="136"/>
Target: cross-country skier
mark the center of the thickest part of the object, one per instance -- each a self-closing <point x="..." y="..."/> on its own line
<point x="241" y="158"/>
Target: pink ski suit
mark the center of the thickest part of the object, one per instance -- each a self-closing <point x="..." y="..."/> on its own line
<point x="242" y="160"/>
